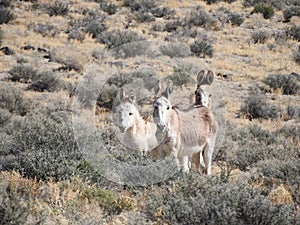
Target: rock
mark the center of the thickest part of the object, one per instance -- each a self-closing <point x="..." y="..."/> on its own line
<point x="7" y="50"/>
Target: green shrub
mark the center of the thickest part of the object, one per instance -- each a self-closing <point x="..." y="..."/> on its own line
<point x="44" y="146"/>
<point x="256" y="107"/>
<point x="5" y="15"/>
<point x="266" y="10"/>
<point x="291" y="11"/>
<point x="260" y="36"/>
<point x="12" y="99"/>
<point x="22" y="73"/>
<point x="202" y="49"/>
<point x="58" y="8"/>
<point x="5" y="116"/>
<point x="109" y="8"/>
<point x="176" y="50"/>
<point x="289" y="84"/>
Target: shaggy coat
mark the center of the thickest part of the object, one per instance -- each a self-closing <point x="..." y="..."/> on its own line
<point x="190" y="131"/>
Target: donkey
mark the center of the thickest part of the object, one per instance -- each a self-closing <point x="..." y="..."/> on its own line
<point x="188" y="131"/>
<point x="203" y="92"/>
<point x="139" y="134"/>
<point x="205" y="79"/>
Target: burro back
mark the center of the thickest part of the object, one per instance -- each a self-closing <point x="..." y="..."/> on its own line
<point x="190" y="131"/>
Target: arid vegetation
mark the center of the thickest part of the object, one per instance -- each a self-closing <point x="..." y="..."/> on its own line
<point x="61" y="64"/>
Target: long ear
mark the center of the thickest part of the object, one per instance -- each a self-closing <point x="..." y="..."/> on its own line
<point x="132" y="96"/>
<point x="121" y="94"/>
<point x="201" y="77"/>
<point x="157" y="87"/>
<point x="169" y="89"/>
<point x="210" y="77"/>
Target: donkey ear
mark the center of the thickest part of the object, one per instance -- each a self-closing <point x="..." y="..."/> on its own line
<point x="157" y="87"/>
<point x="210" y="77"/>
<point x="121" y="94"/>
<point x="201" y="77"/>
<point x="169" y="88"/>
<point x="132" y="96"/>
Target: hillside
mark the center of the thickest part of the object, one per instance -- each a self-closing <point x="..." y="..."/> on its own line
<point x="62" y="63"/>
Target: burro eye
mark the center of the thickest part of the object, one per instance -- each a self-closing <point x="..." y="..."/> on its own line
<point x="130" y="114"/>
<point x="168" y="107"/>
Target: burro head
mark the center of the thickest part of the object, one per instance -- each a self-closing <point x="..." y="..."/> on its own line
<point x="162" y="106"/>
<point x="203" y="92"/>
<point x="125" y="110"/>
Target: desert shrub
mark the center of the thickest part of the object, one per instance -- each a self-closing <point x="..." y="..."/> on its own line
<point x="176" y="50"/>
<point x="287" y="83"/>
<point x="278" y="4"/>
<point x="135" y="5"/>
<point x="294" y="32"/>
<point x="266" y="10"/>
<point x="22" y="73"/>
<point x="207" y="200"/>
<point x="116" y="38"/>
<point x="200" y="18"/>
<point x="160" y="12"/>
<point x="172" y="25"/>
<point x="95" y="28"/>
<point x="256" y="106"/>
<point x="109" y="8"/>
<point x="260" y="36"/>
<point x="76" y="34"/>
<point x="296" y="56"/>
<point x="45" y="81"/>
<point x="68" y="58"/>
<point x="182" y="74"/>
<point x="5" y="116"/>
<point x="1" y="36"/>
<point x="104" y="198"/>
<point x="5" y="15"/>
<point x="44" y="29"/>
<point x="287" y="170"/>
<point x="143" y="17"/>
<point x="293" y="111"/>
<point x="202" y="48"/>
<point x="58" y="8"/>
<point x="12" y="99"/>
<point x="216" y="1"/>
<point x="44" y="146"/>
<point x="13" y="209"/>
<point x="5" y="3"/>
<point x="236" y="19"/>
<point x="291" y="11"/>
